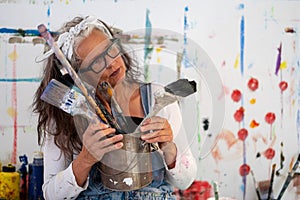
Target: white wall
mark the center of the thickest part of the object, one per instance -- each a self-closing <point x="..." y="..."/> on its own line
<point x="214" y="26"/>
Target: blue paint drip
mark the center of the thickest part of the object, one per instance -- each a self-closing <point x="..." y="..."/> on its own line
<point x="147" y="48"/>
<point x="242" y="40"/>
<point x="48" y="15"/>
<point x="16" y="31"/>
<point x="26" y="32"/>
<point x="147" y="34"/>
<point x="185" y="59"/>
<point x="20" y="79"/>
<point x="241" y="6"/>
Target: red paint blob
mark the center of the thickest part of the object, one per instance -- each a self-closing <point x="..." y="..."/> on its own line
<point x="283" y="85"/>
<point x="253" y="84"/>
<point x="269" y="153"/>
<point x="242" y="134"/>
<point x="239" y="114"/>
<point x="244" y="169"/>
<point x="270" y="117"/>
<point x="236" y="95"/>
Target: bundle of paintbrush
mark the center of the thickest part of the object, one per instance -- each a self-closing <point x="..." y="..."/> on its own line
<point x="289" y="178"/>
<point x="68" y="98"/>
<point x="106" y="92"/>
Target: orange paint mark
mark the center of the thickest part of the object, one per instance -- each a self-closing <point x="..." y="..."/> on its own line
<point x="254" y="124"/>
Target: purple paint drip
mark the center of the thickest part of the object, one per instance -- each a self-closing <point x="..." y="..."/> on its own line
<point x="278" y="62"/>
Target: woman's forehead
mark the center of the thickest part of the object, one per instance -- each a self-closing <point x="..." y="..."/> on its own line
<point x="92" y="45"/>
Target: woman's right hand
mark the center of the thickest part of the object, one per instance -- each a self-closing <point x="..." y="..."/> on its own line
<point x="99" y="139"/>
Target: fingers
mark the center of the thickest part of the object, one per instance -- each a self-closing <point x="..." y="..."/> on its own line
<point x="160" y="130"/>
<point x="99" y="139"/>
<point x="154" y="123"/>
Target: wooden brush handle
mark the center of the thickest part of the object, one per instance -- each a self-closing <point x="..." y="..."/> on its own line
<point x="47" y="36"/>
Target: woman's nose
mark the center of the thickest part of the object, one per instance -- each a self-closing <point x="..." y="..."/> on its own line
<point x="110" y="62"/>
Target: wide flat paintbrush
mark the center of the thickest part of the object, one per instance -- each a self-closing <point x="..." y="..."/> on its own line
<point x="170" y="94"/>
<point x="69" y="99"/>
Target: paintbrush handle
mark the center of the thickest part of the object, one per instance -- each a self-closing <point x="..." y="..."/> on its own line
<point x="289" y="178"/>
<point x="61" y="57"/>
<point x="255" y="185"/>
<point x="271" y="181"/>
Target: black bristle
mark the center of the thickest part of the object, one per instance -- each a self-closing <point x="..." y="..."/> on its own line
<point x="181" y="87"/>
<point x="66" y="80"/>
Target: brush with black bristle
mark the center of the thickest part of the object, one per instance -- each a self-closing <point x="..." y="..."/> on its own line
<point x="181" y="87"/>
<point x="170" y="94"/>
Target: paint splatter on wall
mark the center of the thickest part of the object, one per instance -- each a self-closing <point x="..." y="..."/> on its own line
<point x="254" y="47"/>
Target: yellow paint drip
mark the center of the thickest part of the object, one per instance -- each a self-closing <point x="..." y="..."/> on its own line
<point x="11" y="112"/>
<point x="283" y="65"/>
<point x="13" y="56"/>
<point x="158" y="50"/>
<point x="236" y="62"/>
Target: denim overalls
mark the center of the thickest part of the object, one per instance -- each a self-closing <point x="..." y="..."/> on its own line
<point x="158" y="189"/>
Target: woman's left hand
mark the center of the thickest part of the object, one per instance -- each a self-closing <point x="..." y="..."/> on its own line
<point x="159" y="130"/>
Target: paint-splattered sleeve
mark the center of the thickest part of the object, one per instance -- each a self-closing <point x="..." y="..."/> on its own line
<point x="59" y="180"/>
<point x="185" y="170"/>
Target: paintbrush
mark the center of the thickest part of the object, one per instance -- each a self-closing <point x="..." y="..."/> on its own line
<point x="69" y="99"/>
<point x="271" y="181"/>
<point x="289" y="178"/>
<point x="256" y="186"/>
<point x="106" y="91"/>
<point x="67" y="66"/>
<point x="170" y="94"/>
<point x="216" y="190"/>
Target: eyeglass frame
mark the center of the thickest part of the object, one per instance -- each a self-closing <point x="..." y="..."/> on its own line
<point x="103" y="55"/>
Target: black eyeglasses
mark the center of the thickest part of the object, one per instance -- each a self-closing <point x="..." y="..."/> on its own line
<point x="100" y="62"/>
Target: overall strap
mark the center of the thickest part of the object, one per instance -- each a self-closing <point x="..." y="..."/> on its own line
<point x="146" y="97"/>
